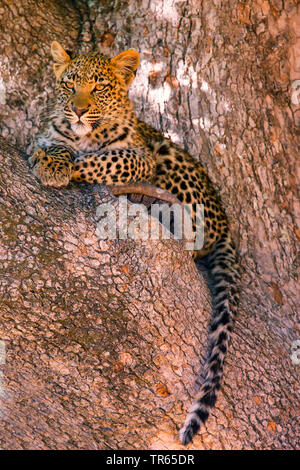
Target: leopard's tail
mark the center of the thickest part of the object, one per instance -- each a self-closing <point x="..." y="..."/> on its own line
<point x="223" y="274"/>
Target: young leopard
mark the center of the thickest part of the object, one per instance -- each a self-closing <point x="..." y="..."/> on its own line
<point x="93" y="135"/>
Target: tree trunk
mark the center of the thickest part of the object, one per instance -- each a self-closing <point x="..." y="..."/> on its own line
<point x="103" y="340"/>
<point x="97" y="333"/>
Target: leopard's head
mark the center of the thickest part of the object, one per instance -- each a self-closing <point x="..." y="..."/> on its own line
<point x="92" y="88"/>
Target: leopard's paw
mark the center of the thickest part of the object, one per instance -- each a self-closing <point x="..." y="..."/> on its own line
<point x="49" y="170"/>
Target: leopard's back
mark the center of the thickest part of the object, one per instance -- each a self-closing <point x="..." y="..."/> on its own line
<point x="179" y="173"/>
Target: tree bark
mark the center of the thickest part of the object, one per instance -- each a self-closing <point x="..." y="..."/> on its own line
<point x="103" y="341"/>
<point x="97" y="333"/>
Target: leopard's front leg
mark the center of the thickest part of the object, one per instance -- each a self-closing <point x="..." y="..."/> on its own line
<point x="115" y="166"/>
<point x="53" y="166"/>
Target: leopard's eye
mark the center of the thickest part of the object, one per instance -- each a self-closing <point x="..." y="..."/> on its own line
<point x="69" y="85"/>
<point x="100" y="87"/>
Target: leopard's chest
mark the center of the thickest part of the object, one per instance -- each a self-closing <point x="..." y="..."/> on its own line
<point x="94" y="141"/>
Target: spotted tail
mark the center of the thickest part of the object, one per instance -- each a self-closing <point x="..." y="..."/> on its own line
<point x="221" y="264"/>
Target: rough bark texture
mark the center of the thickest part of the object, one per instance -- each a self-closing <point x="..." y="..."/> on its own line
<point x="92" y="346"/>
<point x="97" y="334"/>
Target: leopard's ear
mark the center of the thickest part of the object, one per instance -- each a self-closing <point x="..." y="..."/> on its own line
<point x="126" y="64"/>
<point x="61" y="59"/>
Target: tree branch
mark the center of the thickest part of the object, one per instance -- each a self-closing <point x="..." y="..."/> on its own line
<point x="144" y="189"/>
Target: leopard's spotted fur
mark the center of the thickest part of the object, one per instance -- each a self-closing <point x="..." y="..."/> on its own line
<point x="93" y="135"/>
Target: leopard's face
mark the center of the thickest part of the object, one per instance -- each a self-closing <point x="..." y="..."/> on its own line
<point x="90" y="92"/>
<point x="92" y="89"/>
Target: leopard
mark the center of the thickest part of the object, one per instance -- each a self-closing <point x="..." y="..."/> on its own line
<point x="94" y="135"/>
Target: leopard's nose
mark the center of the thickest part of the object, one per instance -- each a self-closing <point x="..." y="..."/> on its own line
<point x="79" y="111"/>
